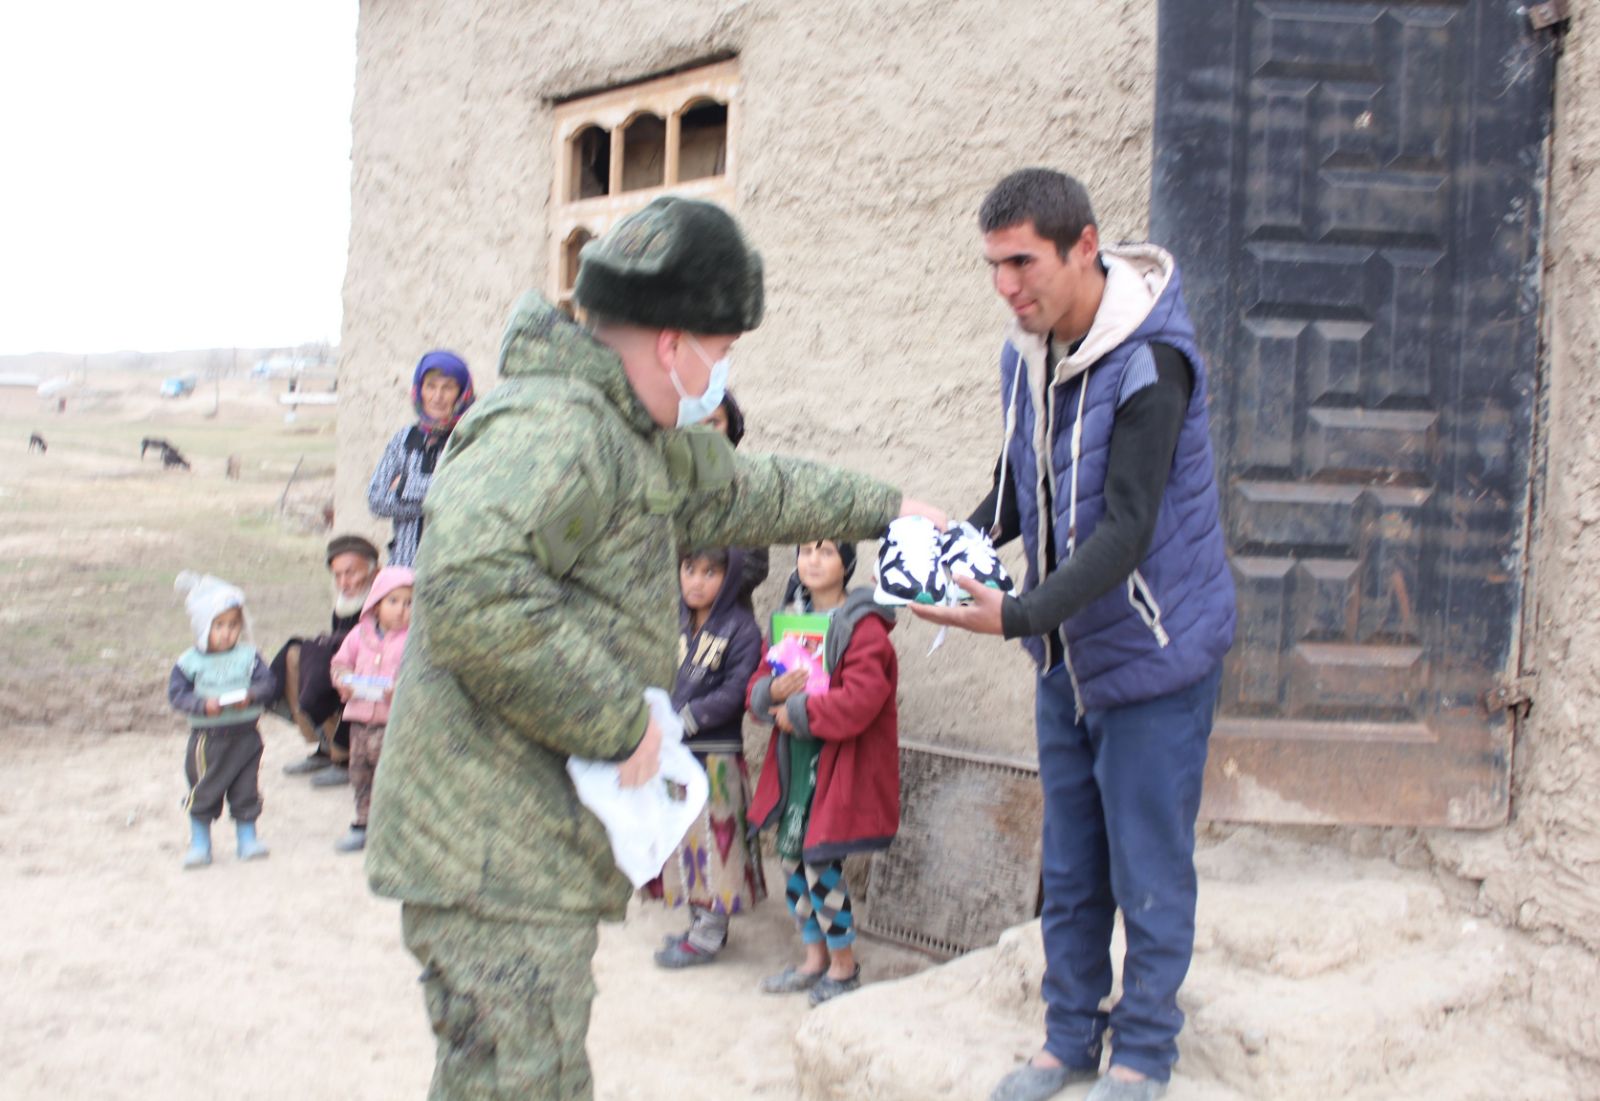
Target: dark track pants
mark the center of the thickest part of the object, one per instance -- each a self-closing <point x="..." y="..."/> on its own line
<point x="223" y="761"/>
<point x="1121" y="794"/>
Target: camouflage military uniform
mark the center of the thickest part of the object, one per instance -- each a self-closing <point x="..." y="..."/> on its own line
<point x="547" y="599"/>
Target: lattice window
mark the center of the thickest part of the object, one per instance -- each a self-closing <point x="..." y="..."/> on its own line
<point x="618" y="149"/>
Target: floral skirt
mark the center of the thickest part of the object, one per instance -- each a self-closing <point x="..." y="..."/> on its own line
<point x="718" y="866"/>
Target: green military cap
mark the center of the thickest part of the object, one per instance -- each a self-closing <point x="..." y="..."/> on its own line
<point x="676" y="264"/>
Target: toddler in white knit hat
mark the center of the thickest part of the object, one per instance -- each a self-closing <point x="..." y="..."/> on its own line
<point x="220" y="684"/>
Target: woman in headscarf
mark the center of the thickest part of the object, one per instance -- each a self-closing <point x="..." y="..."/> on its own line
<point x="441" y="391"/>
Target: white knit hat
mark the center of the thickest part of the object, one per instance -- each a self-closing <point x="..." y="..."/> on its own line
<point x="205" y="598"/>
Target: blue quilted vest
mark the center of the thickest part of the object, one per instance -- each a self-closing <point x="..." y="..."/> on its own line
<point x="1170" y="623"/>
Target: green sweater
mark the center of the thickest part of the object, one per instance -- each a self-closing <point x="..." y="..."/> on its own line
<point x="546" y="602"/>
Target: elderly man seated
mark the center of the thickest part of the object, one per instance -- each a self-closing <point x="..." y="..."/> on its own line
<point x="309" y="699"/>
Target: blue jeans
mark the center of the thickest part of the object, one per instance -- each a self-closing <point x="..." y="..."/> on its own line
<point x="1121" y="794"/>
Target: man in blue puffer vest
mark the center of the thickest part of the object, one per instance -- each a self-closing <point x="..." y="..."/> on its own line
<point x="1127" y="608"/>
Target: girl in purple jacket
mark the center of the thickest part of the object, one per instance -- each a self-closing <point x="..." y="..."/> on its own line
<point x="716" y="870"/>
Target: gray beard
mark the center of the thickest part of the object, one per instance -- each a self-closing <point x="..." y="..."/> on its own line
<point x="346" y="606"/>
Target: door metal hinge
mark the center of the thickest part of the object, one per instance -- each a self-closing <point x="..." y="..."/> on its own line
<point x="1514" y="695"/>
<point x="1550" y="15"/>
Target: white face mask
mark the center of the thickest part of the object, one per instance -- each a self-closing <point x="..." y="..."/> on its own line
<point x="693" y="410"/>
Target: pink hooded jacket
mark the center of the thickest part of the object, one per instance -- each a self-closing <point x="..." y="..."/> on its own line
<point x="367" y="654"/>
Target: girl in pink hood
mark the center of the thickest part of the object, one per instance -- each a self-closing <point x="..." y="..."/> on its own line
<point x="363" y="671"/>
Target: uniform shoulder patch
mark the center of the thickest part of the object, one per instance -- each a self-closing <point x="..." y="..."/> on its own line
<point x="567" y="530"/>
<point x="699" y="460"/>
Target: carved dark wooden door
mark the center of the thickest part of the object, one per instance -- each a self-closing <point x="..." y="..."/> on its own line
<point x="1354" y="192"/>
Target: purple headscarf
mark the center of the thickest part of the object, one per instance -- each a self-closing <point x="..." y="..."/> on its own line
<point x="452" y="366"/>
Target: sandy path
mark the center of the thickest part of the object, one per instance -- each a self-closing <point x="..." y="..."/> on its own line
<point x="126" y="977"/>
<point x="283" y="978"/>
<point x="122" y="976"/>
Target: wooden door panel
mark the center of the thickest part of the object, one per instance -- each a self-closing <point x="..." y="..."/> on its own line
<point x="1354" y="192"/>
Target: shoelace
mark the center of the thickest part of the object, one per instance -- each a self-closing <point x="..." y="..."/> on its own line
<point x="970" y="543"/>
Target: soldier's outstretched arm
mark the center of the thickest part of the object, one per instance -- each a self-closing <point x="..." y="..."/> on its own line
<point x="777" y="499"/>
<point x="508" y="515"/>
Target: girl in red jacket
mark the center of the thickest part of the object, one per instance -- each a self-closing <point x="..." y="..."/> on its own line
<point x="831" y="779"/>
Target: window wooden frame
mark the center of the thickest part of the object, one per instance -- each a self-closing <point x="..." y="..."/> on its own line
<point x="613" y="111"/>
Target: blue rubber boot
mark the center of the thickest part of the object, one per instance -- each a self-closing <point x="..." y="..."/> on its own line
<point x="199" y="854"/>
<point x="250" y="847"/>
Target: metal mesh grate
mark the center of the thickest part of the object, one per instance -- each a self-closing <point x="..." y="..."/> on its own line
<point x="965" y="866"/>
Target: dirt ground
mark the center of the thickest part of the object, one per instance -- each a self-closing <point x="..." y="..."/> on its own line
<point x="1327" y="965"/>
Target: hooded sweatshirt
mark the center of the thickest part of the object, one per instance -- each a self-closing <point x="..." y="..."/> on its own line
<point x="714" y="667"/>
<point x="856" y="804"/>
<point x="368" y="651"/>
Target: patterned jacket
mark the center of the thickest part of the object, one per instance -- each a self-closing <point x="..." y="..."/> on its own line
<point x="398" y="487"/>
<point x="546" y="602"/>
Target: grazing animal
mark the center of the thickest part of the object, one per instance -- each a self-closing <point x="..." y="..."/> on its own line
<point x="171" y="458"/>
<point x="153" y="443"/>
<point x="36" y="443"/>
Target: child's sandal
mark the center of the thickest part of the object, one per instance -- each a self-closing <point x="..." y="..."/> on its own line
<point x="791" y="980"/>
<point x="828" y="987"/>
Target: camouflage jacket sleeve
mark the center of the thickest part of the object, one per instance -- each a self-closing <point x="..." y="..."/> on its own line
<point x="777" y="499"/>
<point x="500" y="614"/>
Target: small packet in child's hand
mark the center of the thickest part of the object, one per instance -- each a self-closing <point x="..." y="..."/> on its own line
<point x="228" y="699"/>
<point x="371" y="687"/>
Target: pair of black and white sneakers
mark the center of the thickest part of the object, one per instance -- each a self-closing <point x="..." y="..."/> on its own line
<point x="916" y="563"/>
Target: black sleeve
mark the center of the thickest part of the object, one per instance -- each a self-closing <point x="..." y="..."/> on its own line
<point x="983" y="517"/>
<point x="1144" y="437"/>
<point x="181" y="693"/>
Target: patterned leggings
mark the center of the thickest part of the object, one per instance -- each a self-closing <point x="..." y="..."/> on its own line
<point x="819" y="899"/>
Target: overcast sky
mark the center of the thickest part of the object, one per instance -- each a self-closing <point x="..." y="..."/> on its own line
<point x="173" y="173"/>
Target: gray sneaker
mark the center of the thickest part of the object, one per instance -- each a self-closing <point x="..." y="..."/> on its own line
<point x="314" y="763"/>
<point x="1031" y="1083"/>
<point x="1115" y="1089"/>
<point x="331" y="777"/>
<point x="680" y="954"/>
<point x="353" y="841"/>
